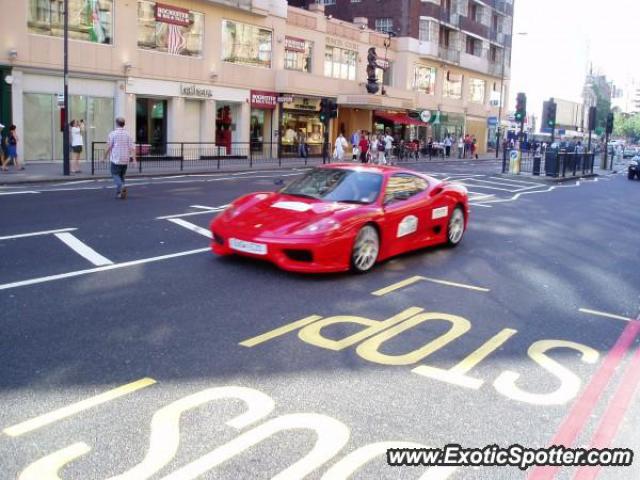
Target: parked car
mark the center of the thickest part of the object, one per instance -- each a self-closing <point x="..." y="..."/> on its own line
<point x="629" y="152"/>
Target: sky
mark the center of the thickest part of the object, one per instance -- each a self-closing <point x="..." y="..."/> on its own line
<point x="563" y="37"/>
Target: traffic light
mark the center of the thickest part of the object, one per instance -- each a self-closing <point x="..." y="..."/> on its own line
<point x="610" y="123"/>
<point x="328" y="110"/>
<point x="551" y="114"/>
<point x="372" y="65"/>
<point x="521" y="107"/>
<point x="593" y="113"/>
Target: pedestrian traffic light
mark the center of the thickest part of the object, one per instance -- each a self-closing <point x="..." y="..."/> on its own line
<point x="610" y="123"/>
<point x="372" y="65"/>
<point x="521" y="107"/>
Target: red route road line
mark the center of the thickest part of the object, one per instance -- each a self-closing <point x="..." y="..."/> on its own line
<point x="610" y="423"/>
<point x="581" y="409"/>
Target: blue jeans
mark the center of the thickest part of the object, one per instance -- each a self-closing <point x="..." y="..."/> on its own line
<point x="118" y="172"/>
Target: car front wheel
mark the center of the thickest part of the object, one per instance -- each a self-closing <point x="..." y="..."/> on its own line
<point x="455" y="229"/>
<point x="365" y="249"/>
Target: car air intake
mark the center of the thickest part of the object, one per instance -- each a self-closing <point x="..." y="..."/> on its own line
<point x="218" y="239"/>
<point x="299" y="255"/>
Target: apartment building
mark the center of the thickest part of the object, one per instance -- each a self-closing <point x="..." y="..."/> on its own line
<point x="224" y="71"/>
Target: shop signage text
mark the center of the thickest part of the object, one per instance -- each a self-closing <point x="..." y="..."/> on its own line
<point x="268" y="100"/>
<point x="303" y="103"/>
<point x="173" y="15"/>
<point x="294" y="44"/>
<point x="338" y="42"/>
<point x="195" y="91"/>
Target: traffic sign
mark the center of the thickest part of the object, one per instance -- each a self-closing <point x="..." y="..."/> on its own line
<point x="60" y="98"/>
<point x="492" y="121"/>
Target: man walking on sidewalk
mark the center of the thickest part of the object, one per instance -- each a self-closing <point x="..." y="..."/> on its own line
<point x="120" y="150"/>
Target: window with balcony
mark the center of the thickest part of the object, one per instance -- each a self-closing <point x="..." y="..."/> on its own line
<point x="473" y="46"/>
<point x="245" y="44"/>
<point x="477" y="89"/>
<point x="89" y="20"/>
<point x="424" y="79"/>
<point x="340" y="63"/>
<point x="428" y="30"/>
<point x="169" y="29"/>
<point x="453" y="85"/>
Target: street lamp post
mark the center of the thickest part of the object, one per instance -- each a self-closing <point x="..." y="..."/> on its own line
<point x="65" y="126"/>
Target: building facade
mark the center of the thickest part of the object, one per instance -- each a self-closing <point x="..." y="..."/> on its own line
<point x="225" y="72"/>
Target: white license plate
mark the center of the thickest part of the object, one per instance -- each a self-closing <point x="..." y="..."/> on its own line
<point x="248" y="247"/>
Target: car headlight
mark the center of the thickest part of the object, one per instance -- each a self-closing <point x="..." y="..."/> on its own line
<point x="230" y="212"/>
<point x="321" y="226"/>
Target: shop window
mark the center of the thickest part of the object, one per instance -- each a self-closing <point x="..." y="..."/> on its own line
<point x="297" y="126"/>
<point x="151" y="123"/>
<point x="245" y="44"/>
<point x="424" y="79"/>
<point x="171" y="30"/>
<point x="89" y="20"/>
<point x="477" y="89"/>
<point x="340" y="63"/>
<point x="298" y="54"/>
<point x="453" y="85"/>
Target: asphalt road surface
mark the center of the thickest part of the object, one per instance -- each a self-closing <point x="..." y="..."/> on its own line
<point x="128" y="351"/>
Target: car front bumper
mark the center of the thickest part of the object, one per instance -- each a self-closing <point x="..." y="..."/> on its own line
<point x="319" y="254"/>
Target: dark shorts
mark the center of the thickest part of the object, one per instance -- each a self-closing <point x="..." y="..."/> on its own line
<point x="76" y="149"/>
<point x="12" y="151"/>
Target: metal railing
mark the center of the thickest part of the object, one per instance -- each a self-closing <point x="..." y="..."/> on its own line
<point x="449" y="54"/>
<point x="554" y="163"/>
<point x="181" y="156"/>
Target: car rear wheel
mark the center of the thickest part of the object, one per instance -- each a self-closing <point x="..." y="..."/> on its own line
<point x="365" y="249"/>
<point x="630" y="175"/>
<point x="455" y="229"/>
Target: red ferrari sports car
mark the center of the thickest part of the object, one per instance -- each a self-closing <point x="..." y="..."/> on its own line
<point x="343" y="216"/>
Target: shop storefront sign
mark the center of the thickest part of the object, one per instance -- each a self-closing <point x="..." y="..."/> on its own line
<point x="294" y="44"/>
<point x="268" y="100"/>
<point x="195" y="91"/>
<point x="173" y="15"/>
<point x="425" y="116"/>
<point x="302" y="103"/>
<point x="340" y="43"/>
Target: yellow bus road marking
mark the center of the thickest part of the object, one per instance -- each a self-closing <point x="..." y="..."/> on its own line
<point x="69" y="410"/>
<point x="290" y="327"/>
<point x="419" y="278"/>
<point x="604" y="314"/>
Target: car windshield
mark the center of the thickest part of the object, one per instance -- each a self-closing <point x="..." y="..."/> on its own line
<point x="337" y="185"/>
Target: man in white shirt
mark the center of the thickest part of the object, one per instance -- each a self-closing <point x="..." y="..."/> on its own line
<point x="388" y="147"/>
<point x="120" y="151"/>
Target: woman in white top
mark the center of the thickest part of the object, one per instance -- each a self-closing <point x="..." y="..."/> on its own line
<point x="341" y="145"/>
<point x="77" y="129"/>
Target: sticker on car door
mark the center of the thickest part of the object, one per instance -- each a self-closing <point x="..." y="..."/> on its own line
<point x="441" y="212"/>
<point x="407" y="226"/>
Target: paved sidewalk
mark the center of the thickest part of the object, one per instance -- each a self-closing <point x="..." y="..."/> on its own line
<point x="37" y="172"/>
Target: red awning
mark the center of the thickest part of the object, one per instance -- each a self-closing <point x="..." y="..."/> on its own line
<point x="399" y="118"/>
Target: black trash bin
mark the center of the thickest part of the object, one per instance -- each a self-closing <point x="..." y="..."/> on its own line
<point x="551" y="164"/>
<point x="537" y="160"/>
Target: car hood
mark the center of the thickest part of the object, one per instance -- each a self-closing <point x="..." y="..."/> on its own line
<point x="276" y="214"/>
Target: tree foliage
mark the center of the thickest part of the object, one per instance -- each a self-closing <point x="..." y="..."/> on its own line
<point x="627" y="126"/>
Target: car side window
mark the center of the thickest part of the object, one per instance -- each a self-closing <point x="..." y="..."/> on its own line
<point x="404" y="185"/>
